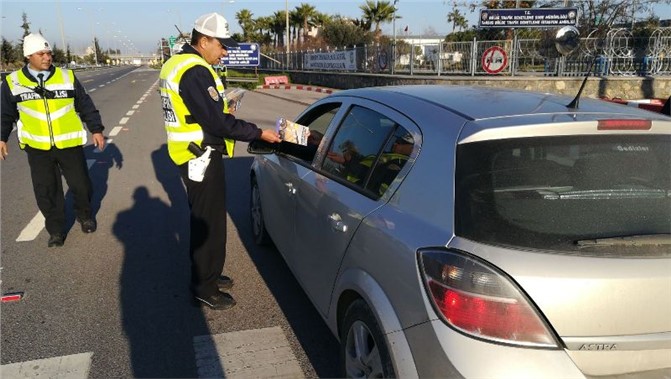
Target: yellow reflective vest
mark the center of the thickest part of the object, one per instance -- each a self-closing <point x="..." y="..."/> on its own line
<point x="175" y="112"/>
<point x="51" y="120"/>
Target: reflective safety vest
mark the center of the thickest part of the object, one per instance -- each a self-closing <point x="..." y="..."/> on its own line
<point x="175" y="113"/>
<point x="47" y="118"/>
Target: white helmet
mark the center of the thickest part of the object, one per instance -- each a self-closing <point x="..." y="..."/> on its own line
<point x="33" y="43"/>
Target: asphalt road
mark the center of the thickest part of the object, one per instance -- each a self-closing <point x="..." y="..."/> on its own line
<point x="120" y="296"/>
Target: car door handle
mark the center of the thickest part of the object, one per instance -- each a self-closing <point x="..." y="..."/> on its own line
<point x="290" y="188"/>
<point x="337" y="222"/>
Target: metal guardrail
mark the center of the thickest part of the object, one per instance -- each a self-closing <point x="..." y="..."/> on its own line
<point x="619" y="53"/>
<point x="242" y="79"/>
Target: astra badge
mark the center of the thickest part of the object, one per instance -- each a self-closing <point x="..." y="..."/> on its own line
<point x="213" y="93"/>
<point x="598" y="346"/>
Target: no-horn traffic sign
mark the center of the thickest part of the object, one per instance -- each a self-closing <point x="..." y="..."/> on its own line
<point x="494" y="60"/>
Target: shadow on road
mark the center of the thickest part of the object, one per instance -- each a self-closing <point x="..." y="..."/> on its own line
<point x="159" y="318"/>
<point x="99" y="173"/>
<point x="314" y="336"/>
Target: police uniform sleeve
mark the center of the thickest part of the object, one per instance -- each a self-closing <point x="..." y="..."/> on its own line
<point x="87" y="110"/>
<point x="198" y="91"/>
<point x="9" y="113"/>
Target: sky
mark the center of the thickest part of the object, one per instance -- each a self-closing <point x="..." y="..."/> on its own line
<point x="138" y="26"/>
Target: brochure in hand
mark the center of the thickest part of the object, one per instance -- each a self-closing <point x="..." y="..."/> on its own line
<point x="292" y="132"/>
<point x="234" y="98"/>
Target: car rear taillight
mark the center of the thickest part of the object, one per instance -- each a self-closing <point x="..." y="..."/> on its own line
<point x="624" y="125"/>
<point x="475" y="298"/>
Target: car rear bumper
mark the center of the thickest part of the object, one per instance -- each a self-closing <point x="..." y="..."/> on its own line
<point x="439" y="351"/>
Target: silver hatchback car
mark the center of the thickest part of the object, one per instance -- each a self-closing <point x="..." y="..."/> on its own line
<point x="446" y="231"/>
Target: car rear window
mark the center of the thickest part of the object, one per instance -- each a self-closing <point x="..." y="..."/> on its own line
<point x="557" y="193"/>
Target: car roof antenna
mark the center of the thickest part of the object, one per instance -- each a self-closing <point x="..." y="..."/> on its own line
<point x="576" y="100"/>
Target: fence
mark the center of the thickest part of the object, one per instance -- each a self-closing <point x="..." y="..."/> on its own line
<point x="619" y="53"/>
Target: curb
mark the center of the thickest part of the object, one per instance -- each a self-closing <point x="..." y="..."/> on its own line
<point x="297" y="87"/>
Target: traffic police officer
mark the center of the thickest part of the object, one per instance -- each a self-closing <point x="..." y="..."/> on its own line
<point x="48" y="105"/>
<point x="195" y="111"/>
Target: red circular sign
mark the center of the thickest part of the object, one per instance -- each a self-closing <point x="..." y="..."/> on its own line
<point x="494" y="60"/>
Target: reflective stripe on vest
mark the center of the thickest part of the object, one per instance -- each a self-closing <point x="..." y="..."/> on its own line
<point x="179" y="132"/>
<point x="47" y="122"/>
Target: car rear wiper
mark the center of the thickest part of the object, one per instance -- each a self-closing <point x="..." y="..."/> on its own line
<point x="635" y="240"/>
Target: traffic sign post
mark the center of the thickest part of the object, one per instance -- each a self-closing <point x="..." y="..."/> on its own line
<point x="171" y="41"/>
<point x="494" y="60"/>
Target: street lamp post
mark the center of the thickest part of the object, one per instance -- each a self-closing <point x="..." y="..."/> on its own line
<point x="393" y="44"/>
<point x="286" y="15"/>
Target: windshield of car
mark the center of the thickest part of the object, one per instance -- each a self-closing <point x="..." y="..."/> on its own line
<point x="557" y="192"/>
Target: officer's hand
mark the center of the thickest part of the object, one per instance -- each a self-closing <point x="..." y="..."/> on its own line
<point x="99" y="141"/>
<point x="4" y="151"/>
<point x="271" y="136"/>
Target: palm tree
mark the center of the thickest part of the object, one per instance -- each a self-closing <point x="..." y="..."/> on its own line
<point x="304" y="14"/>
<point x="457" y="19"/>
<point x="321" y="19"/>
<point x="279" y="27"/>
<point x="377" y="12"/>
<point x="264" y="25"/>
<point x="294" y="24"/>
<point x="246" y="21"/>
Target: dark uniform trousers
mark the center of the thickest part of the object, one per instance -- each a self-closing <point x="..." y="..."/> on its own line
<point x="45" y="169"/>
<point x="207" y="201"/>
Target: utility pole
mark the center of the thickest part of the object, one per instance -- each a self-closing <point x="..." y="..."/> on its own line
<point x="286" y="14"/>
<point x="393" y="43"/>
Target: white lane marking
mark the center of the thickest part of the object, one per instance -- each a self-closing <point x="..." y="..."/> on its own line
<point x="123" y="121"/>
<point x="91" y="90"/>
<point x="257" y="353"/>
<point x="130" y="113"/>
<point x="100" y="86"/>
<point x="76" y="366"/>
<point x="136" y="106"/>
<point x="33" y="228"/>
<point x="115" y="130"/>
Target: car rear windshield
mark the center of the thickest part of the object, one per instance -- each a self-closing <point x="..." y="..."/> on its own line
<point x="561" y="193"/>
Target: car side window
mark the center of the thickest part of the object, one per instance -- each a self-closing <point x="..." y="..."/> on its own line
<point x="395" y="154"/>
<point x="362" y="151"/>
<point x="317" y="120"/>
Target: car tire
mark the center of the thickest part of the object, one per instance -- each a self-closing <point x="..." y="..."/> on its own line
<point x="363" y="349"/>
<point x="259" y="231"/>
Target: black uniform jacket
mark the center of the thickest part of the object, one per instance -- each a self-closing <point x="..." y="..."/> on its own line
<point x="207" y="111"/>
<point x="83" y="105"/>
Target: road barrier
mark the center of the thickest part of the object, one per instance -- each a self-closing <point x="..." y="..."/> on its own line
<point x="280" y="79"/>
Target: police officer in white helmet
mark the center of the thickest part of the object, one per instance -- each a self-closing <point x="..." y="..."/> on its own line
<point x="49" y="107"/>
<point x="196" y="114"/>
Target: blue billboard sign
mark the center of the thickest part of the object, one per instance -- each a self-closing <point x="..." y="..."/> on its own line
<point x="528" y="17"/>
<point x="247" y="54"/>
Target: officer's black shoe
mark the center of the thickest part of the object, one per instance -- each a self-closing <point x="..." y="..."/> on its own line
<point x="218" y="301"/>
<point x="88" y="225"/>
<point x="56" y="240"/>
<point x="224" y="283"/>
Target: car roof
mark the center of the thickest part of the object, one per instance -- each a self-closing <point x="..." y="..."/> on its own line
<point x="481" y="103"/>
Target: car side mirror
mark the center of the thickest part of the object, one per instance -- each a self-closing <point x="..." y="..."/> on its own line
<point x="261" y="147"/>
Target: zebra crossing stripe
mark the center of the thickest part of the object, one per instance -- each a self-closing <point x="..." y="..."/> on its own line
<point x="256" y="353"/>
<point x="76" y="366"/>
